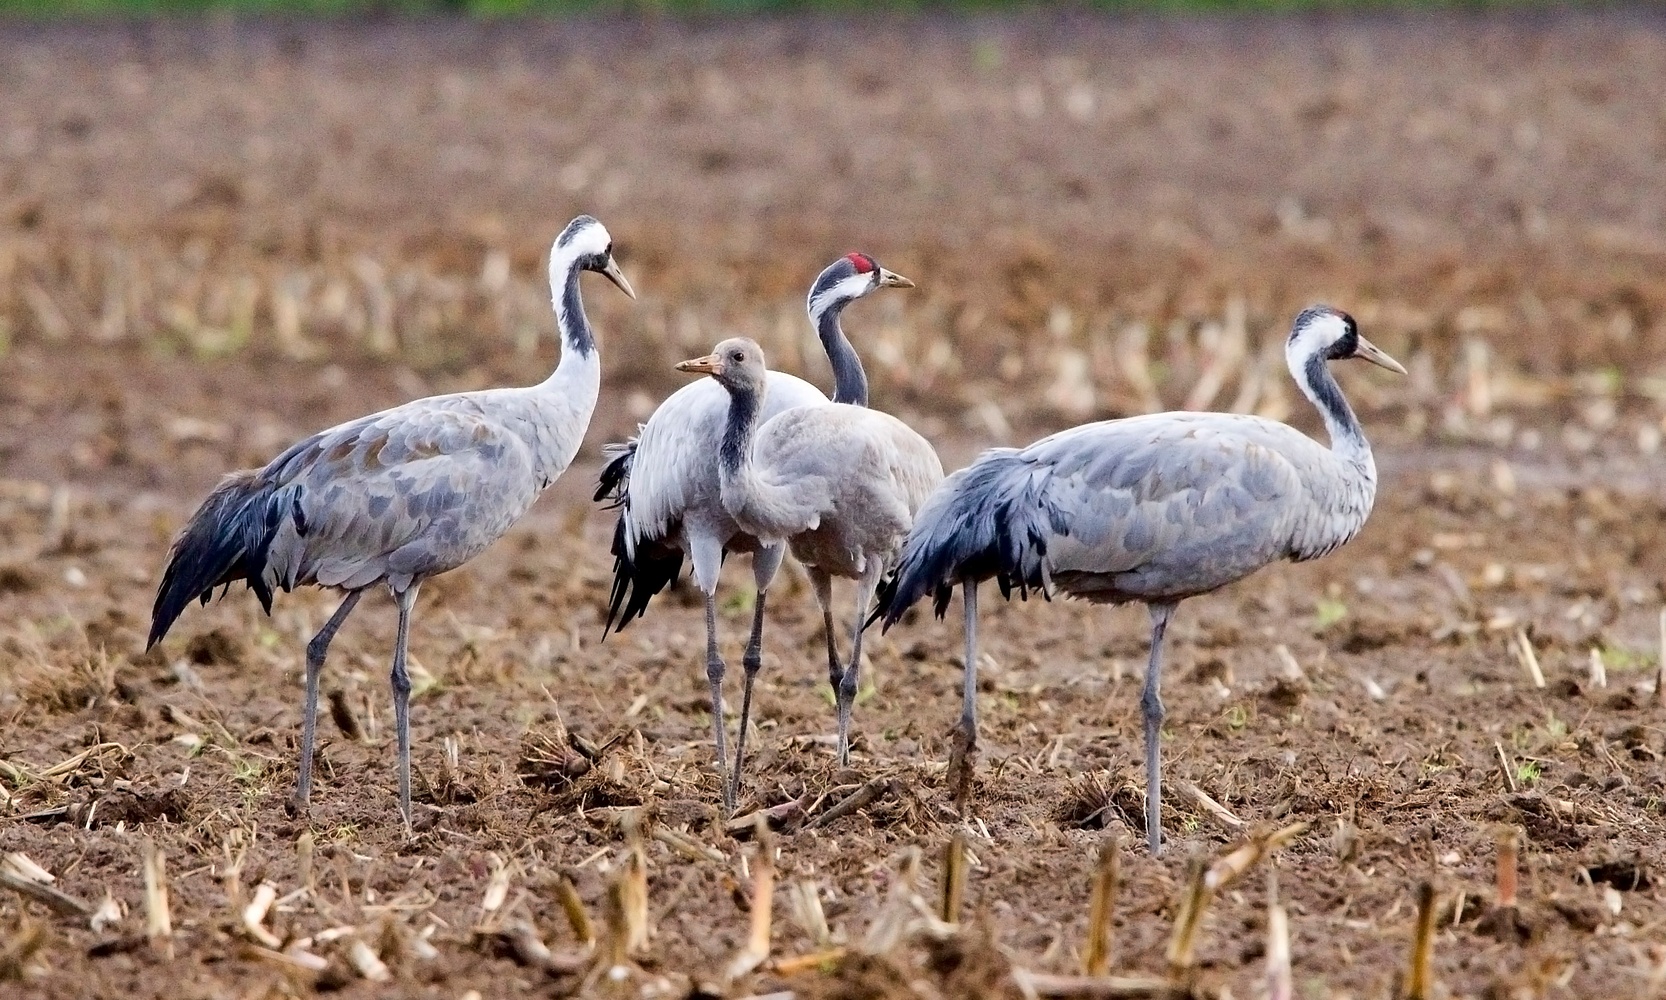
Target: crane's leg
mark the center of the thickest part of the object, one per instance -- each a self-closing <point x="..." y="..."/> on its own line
<point x="865" y="588"/>
<point x="316" y="650"/>
<point x="400" y="680"/>
<point x="960" y="758"/>
<point x="969" y="690"/>
<point x="1151" y="707"/>
<point x="764" y="564"/>
<point x="822" y="584"/>
<point x="715" y="669"/>
<point x="707" y="555"/>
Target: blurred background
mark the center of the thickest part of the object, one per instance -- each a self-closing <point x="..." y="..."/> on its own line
<point x="220" y="231"/>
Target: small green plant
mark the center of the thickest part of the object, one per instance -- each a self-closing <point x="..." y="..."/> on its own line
<point x="1557" y="728"/>
<point x="1328" y="612"/>
<point x="1527" y="772"/>
<point x="1237" y="717"/>
<point x="740" y="602"/>
<point x="247" y="770"/>
<point x="1621" y="660"/>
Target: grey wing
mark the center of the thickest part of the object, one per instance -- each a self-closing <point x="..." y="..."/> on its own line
<point x="412" y="491"/>
<point x="1167" y="506"/>
<point x="674" y="470"/>
<point x="915" y="468"/>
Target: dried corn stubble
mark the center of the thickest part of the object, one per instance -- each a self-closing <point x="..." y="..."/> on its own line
<point x="1096" y="954"/>
<point x="756" y="951"/>
<point x="158" y="918"/>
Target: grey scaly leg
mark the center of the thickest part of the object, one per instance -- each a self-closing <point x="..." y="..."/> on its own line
<point x="316" y="650"/>
<point x="752" y="662"/>
<point x="823" y="586"/>
<point x="969" y="692"/>
<point x="400" y="679"/>
<point x="714" y="677"/>
<point x="865" y="588"/>
<point x="1151" y="707"/>
<point x="966" y="740"/>
<point x="764" y="564"/>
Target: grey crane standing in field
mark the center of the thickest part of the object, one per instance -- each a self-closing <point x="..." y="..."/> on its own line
<point x="839" y="484"/>
<point x="666" y="483"/>
<point x="398" y="496"/>
<point x="1155" y="508"/>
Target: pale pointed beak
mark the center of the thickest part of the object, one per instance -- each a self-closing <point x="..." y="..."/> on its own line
<point x="1367" y="351"/>
<point x="891" y="279"/>
<point x="711" y="364"/>
<point x="612" y="273"/>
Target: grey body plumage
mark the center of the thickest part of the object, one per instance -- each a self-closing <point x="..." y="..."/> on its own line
<point x="397" y="496"/>
<point x="665" y="482"/>
<point x="1154" y="509"/>
<point x="839" y="484"/>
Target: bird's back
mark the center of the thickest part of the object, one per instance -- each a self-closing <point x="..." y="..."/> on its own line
<point x="1155" y="507"/>
<point x="405" y="493"/>
<point x="863" y="472"/>
<point x="412" y="491"/>
<point x="674" y="471"/>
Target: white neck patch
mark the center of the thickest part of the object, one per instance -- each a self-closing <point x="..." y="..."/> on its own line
<point x="853" y="287"/>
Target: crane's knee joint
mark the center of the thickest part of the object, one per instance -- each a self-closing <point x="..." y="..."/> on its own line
<point x="714" y="669"/>
<point x="401" y="682"/>
<point x="1152" y="703"/>
<point x="753" y="661"/>
<point x="846" y="686"/>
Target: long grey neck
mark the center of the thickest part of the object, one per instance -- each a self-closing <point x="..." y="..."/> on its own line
<point x="1347" y="438"/>
<point x="850" y="382"/>
<point x="576" y="338"/>
<point x="560" y="407"/>
<point x="736" y="448"/>
<point x="761" y="504"/>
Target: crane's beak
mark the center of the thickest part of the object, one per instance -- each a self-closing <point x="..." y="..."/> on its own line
<point x="891" y="279"/>
<point x="711" y="364"/>
<point x="612" y="273"/>
<point x="1367" y="351"/>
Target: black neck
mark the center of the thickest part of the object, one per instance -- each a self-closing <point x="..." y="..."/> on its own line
<point x="575" y="328"/>
<point x="1340" y="421"/>
<point x="737" y="434"/>
<point x="850" y="382"/>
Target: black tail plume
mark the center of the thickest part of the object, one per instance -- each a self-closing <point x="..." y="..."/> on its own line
<point x="653" y="567"/>
<point x="636" y="579"/>
<point x="225" y="541"/>
<point x="990" y="519"/>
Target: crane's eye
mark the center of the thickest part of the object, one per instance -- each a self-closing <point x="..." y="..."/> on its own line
<point x="737" y="356"/>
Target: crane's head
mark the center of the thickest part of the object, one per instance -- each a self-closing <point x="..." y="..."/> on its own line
<point x="586" y="245"/>
<point x="848" y="279"/>
<point x="1332" y="335"/>
<point x="737" y="364"/>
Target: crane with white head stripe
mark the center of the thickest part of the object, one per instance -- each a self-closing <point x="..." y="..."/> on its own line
<point x="1155" y="509"/>
<point x="398" y="496"/>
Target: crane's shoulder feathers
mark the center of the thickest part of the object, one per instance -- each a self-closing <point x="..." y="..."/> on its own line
<point x="454" y="427"/>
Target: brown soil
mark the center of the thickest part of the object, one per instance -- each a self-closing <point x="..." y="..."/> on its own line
<point x="199" y="224"/>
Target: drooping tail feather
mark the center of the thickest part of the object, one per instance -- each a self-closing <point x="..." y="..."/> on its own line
<point x="613" y="485"/>
<point x="639" y="571"/>
<point x="990" y="519"/>
<point x="226" y="540"/>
